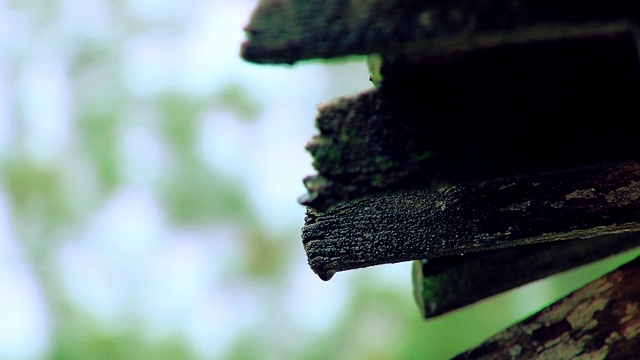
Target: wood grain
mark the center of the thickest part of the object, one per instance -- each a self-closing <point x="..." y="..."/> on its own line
<point x="431" y="223"/>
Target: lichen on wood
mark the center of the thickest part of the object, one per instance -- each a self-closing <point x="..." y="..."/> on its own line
<point x="361" y="149"/>
<point x="599" y="321"/>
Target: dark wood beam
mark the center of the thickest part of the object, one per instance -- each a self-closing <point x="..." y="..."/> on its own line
<point x="423" y="224"/>
<point x="492" y="114"/>
<point x="451" y="282"/>
<point x="287" y="31"/>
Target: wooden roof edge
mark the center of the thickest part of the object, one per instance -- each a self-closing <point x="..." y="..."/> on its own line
<point x="443" y="221"/>
<point x="288" y="31"/>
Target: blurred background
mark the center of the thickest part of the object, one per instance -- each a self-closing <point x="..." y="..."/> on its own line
<point x="148" y="186"/>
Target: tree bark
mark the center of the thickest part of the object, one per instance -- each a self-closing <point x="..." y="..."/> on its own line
<point x="598" y="321"/>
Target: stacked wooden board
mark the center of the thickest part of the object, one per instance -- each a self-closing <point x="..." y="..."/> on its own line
<point x="497" y="147"/>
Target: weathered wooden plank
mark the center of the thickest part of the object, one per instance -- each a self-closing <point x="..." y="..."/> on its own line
<point x="286" y="31"/>
<point x="468" y="218"/>
<point x="492" y="114"/>
<point x="448" y="283"/>
<point x="599" y="321"/>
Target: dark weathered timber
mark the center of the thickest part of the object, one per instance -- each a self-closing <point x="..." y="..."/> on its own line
<point x="430" y="223"/>
<point x="497" y="113"/>
<point x="599" y="321"/>
<point x="448" y="283"/>
<point x="286" y="31"/>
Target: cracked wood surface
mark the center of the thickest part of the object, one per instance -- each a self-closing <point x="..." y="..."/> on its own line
<point x="599" y="321"/>
<point x="287" y="31"/>
<point x="451" y="220"/>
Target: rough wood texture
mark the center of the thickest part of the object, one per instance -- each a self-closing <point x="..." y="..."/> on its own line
<point x="451" y="282"/>
<point x="476" y="217"/>
<point x="286" y="31"/>
<point x="492" y="114"/>
<point x="599" y="321"/>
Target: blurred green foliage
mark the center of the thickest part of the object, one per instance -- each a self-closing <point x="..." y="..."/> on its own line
<point x="235" y="97"/>
<point x="87" y="339"/>
<point x="98" y="135"/>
